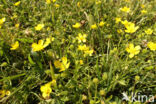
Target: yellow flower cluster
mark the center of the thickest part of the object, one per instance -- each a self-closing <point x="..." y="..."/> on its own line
<point x="4" y="93"/>
<point x="62" y="65"/>
<point x="86" y="50"/>
<point x="49" y="1"/>
<point x="35" y="47"/>
<point x="149" y="31"/>
<point x="125" y="9"/>
<point x="94" y="26"/>
<point x="135" y="50"/>
<point x="46" y="89"/>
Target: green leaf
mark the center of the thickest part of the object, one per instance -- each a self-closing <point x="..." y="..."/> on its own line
<point x="30" y="60"/>
<point x="12" y="77"/>
<point x="1" y="52"/>
<point x="25" y="40"/>
<point x="52" y="71"/>
<point x="122" y="82"/>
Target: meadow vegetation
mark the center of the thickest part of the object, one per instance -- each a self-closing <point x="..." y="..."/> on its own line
<point x="76" y="51"/>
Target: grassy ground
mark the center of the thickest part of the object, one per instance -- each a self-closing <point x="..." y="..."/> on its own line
<point x="77" y="51"/>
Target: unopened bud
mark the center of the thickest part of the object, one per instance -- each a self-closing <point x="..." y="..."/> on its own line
<point x="95" y="80"/>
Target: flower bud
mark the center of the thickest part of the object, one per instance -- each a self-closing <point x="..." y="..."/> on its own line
<point x="137" y="78"/>
<point x="92" y="102"/>
<point x="104" y="76"/>
<point x="84" y="97"/>
<point x="95" y="80"/>
<point x="102" y="92"/>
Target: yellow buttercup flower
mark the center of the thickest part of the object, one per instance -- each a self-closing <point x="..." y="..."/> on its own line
<point x="78" y="4"/>
<point x="14" y="46"/>
<point x="2" y="20"/>
<point x="98" y="2"/>
<point x="119" y="31"/>
<point x="143" y="11"/>
<point x="152" y="46"/>
<point x="94" y="26"/>
<point x="88" y="52"/>
<point x="53" y="82"/>
<point x="14" y="16"/>
<point x="82" y="47"/>
<point x="48" y="1"/>
<point x="17" y="3"/>
<point x="38" y="47"/>
<point x="77" y="25"/>
<point x="133" y="50"/>
<point x="57" y="63"/>
<point x="127" y="0"/>
<point x="117" y="20"/>
<point x="149" y="31"/>
<point x="63" y="65"/>
<point x="17" y="25"/>
<point x="57" y="5"/>
<point x="48" y="28"/>
<point x="131" y="28"/>
<point x="114" y="50"/>
<point x="39" y="27"/>
<point x="126" y="23"/>
<point x="81" y="38"/>
<point x="41" y="44"/>
<point x="47" y="42"/>
<point x="101" y="24"/>
<point x="142" y="6"/>
<point x="54" y="1"/>
<point x="125" y="9"/>
<point x="2" y="93"/>
<point x="7" y="93"/>
<point x="46" y="90"/>
<point x="81" y="62"/>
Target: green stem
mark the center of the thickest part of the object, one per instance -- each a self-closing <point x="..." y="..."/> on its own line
<point x="95" y="92"/>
